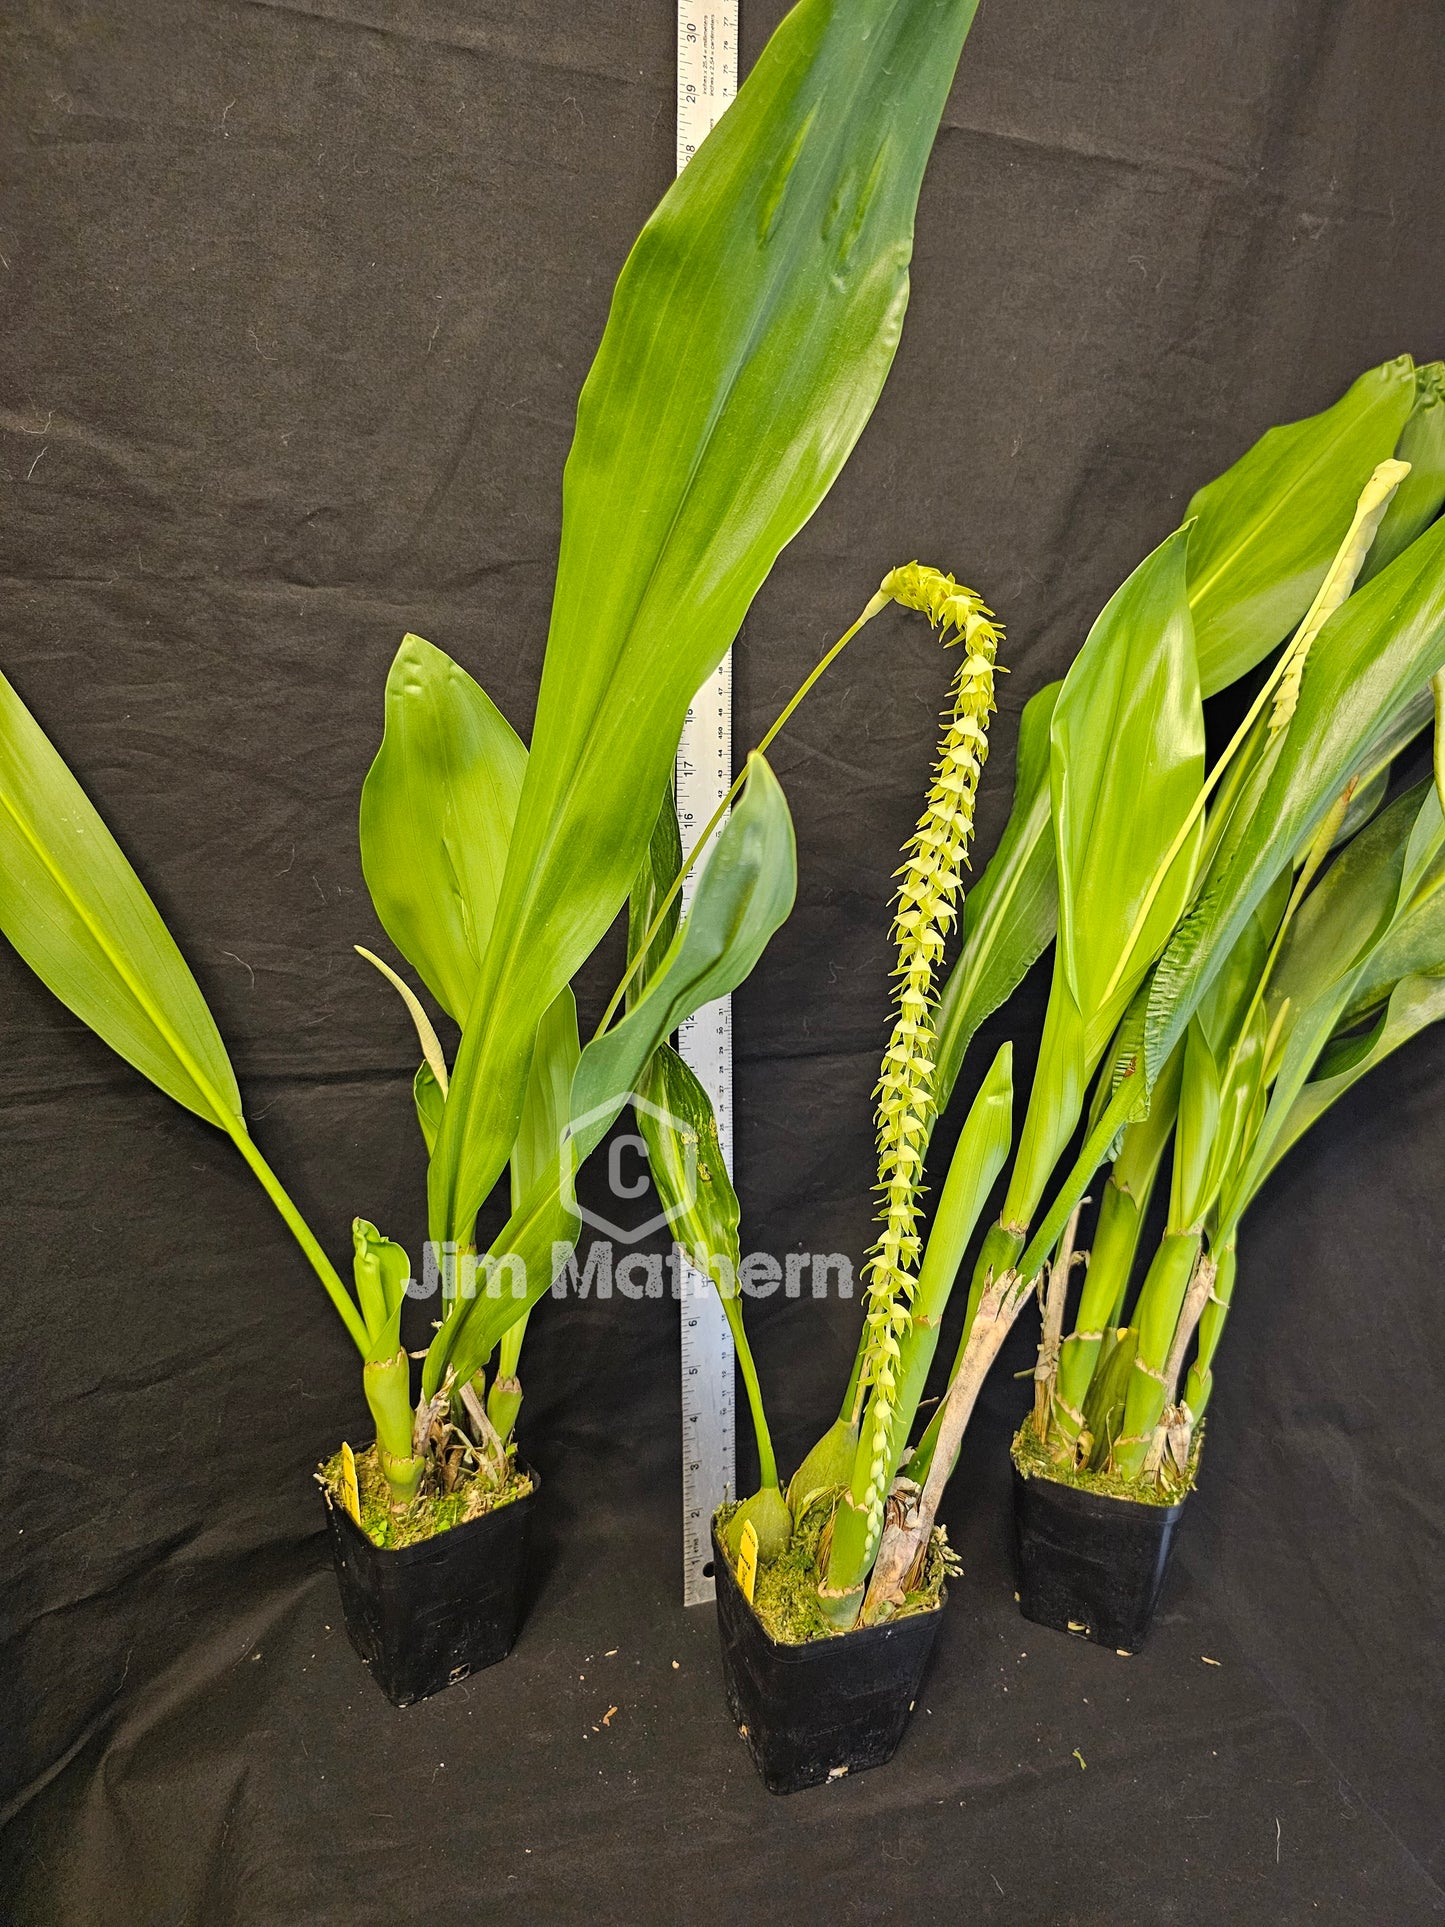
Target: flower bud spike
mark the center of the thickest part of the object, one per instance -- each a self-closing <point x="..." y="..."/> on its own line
<point x="927" y="900"/>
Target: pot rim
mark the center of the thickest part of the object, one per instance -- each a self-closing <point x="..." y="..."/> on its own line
<point x="796" y="1652"/>
<point x="1099" y="1505"/>
<point x="403" y="1554"/>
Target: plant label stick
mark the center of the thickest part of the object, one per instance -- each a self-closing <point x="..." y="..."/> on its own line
<point x="707" y="79"/>
<point x="351" y="1496"/>
<point x="748" y="1561"/>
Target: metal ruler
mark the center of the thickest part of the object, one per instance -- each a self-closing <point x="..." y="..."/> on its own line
<point x="707" y="79"/>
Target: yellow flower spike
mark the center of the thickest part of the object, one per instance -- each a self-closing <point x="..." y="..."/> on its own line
<point x="930" y="879"/>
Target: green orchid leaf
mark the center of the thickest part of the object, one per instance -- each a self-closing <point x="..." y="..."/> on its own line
<point x="79" y="915"/>
<point x="426" y="1036"/>
<point x="1126" y="766"/>
<point x="1011" y="913"/>
<point x="382" y="1270"/>
<point x="744" y="892"/>
<point x="660" y="865"/>
<point x="1350" y="908"/>
<point x="1421" y="496"/>
<point x="982" y="1149"/>
<point x="684" y="1152"/>
<point x="750" y="334"/>
<point x="1368" y="663"/>
<point x="1264" y="535"/>
<point x="1414" y="943"/>
<point x="549" y="1086"/>
<point x="436" y="818"/>
<point x="1127" y="762"/>
<point x="1267" y="530"/>
<point x="427" y="1096"/>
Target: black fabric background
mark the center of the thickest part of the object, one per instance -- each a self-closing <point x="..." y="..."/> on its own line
<point x="298" y="302"/>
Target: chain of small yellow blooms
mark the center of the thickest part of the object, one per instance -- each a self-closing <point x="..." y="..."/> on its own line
<point x="928" y="905"/>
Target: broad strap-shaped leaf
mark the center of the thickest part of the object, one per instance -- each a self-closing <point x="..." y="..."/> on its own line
<point x="1283" y="507"/>
<point x="1420" y="497"/>
<point x="1378" y="888"/>
<point x="1350" y="908"/>
<point x="1267" y="529"/>
<point x="436" y="817"/>
<point x="1126" y="764"/>
<point x="744" y="892"/>
<point x="549" y="1085"/>
<point x="1414" y="946"/>
<point x="1369" y="661"/>
<point x="1011" y="913"/>
<point x="750" y="334"/>
<point x="78" y="914"/>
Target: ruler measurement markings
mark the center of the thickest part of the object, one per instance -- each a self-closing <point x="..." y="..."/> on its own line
<point x="707" y="55"/>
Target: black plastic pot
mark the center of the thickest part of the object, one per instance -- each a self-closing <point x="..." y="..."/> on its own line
<point x="1089" y="1564"/>
<point x="425" y="1616"/>
<point x="815" y="1712"/>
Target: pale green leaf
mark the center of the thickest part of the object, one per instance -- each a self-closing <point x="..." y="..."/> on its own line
<point x="744" y="892"/>
<point x="80" y="917"/>
<point x="1266" y="531"/>
<point x="436" y="817"/>
<point x="750" y="333"/>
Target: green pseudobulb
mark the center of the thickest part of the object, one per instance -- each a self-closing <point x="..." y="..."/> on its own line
<point x="771" y="1519"/>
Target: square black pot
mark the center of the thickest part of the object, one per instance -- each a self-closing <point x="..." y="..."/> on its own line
<point x="425" y="1616"/>
<point x="1090" y="1564"/>
<point x="814" y="1712"/>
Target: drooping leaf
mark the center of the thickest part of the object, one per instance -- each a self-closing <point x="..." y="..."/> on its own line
<point x="436" y="817"/>
<point x="744" y="893"/>
<point x="80" y="917"/>
<point x="685" y="1154"/>
<point x="426" y="1036"/>
<point x="676" y="1119"/>
<point x="1267" y="529"/>
<point x="750" y="333"/>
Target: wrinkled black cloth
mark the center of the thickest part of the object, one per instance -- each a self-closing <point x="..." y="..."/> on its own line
<point x="299" y="299"/>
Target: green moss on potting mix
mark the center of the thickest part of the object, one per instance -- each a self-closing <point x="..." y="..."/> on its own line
<point x="785" y="1595"/>
<point x="429" y="1513"/>
<point x="1034" y="1462"/>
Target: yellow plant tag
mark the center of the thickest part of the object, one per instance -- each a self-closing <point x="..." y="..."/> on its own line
<point x="350" y="1492"/>
<point x="748" y="1560"/>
